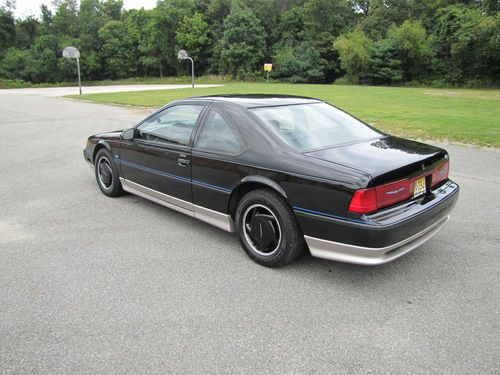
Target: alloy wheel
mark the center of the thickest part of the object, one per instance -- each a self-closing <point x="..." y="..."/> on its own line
<point x="262" y="230"/>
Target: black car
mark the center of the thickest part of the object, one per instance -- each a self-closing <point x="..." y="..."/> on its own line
<point x="286" y="173"/>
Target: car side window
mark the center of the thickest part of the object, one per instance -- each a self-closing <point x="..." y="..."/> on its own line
<point x="218" y="135"/>
<point x="173" y="125"/>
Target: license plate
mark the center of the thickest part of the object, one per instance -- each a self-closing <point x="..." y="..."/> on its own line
<point x="419" y="187"/>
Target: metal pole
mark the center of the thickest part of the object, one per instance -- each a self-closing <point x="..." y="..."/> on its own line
<point x="192" y="72"/>
<point x="267" y="77"/>
<point x="79" y="79"/>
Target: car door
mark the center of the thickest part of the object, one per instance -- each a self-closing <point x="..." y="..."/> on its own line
<point x="215" y="160"/>
<point x="158" y="158"/>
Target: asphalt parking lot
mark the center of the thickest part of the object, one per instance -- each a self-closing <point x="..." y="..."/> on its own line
<point x="90" y="284"/>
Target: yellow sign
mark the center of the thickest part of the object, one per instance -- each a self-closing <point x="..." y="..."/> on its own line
<point x="268" y="67"/>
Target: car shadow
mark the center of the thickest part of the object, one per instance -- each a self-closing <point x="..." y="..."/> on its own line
<point x="306" y="266"/>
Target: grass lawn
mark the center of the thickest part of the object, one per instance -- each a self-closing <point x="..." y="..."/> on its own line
<point x="458" y="115"/>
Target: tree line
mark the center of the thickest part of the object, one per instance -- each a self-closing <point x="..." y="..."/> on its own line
<point x="447" y="42"/>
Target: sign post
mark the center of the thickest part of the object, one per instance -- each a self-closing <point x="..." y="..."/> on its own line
<point x="73" y="53"/>
<point x="183" y="55"/>
<point x="268" y="68"/>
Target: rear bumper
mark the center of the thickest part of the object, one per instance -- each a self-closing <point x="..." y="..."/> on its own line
<point x="381" y="237"/>
<point x="371" y="256"/>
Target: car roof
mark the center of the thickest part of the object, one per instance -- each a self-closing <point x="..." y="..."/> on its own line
<point x="258" y="100"/>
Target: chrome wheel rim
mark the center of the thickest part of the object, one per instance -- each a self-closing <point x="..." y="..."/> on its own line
<point x="261" y="229"/>
<point x="105" y="173"/>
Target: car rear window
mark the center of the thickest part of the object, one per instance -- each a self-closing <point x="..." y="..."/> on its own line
<point x="314" y="126"/>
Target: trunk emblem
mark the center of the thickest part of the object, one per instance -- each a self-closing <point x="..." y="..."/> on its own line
<point x="395" y="191"/>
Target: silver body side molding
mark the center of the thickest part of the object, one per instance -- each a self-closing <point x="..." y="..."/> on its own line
<point x="368" y="255"/>
<point x="217" y="219"/>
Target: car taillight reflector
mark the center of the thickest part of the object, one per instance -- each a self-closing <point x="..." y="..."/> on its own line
<point x="370" y="200"/>
<point x="440" y="173"/>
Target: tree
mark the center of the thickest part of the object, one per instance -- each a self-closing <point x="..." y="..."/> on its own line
<point x="216" y="12"/>
<point x="64" y="21"/>
<point x="26" y="32"/>
<point x="193" y="36"/>
<point x="158" y="45"/>
<point x="136" y="20"/>
<point x="242" y="46"/>
<point x="45" y="56"/>
<point x="46" y="21"/>
<point x="467" y="44"/>
<point x="410" y="40"/>
<point x="384" y="66"/>
<point x="324" y="21"/>
<point x="291" y="28"/>
<point x="112" y="9"/>
<point x="117" y="50"/>
<point x="354" y="51"/>
<point x="7" y="29"/>
<point x="268" y="14"/>
<point x="374" y="41"/>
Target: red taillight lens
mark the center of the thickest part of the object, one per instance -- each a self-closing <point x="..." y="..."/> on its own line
<point x="370" y="200"/>
<point x="364" y="201"/>
<point x="440" y="173"/>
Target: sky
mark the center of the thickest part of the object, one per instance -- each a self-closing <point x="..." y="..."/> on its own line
<point x="32" y="7"/>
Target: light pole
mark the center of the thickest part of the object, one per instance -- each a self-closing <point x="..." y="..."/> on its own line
<point x="183" y="55"/>
<point x="73" y="53"/>
<point x="79" y="78"/>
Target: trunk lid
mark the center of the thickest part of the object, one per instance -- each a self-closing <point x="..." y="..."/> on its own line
<point x="385" y="160"/>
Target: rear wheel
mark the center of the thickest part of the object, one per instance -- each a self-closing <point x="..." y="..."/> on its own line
<point x="107" y="175"/>
<point x="267" y="229"/>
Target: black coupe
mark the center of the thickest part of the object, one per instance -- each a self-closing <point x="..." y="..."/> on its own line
<point x="286" y="173"/>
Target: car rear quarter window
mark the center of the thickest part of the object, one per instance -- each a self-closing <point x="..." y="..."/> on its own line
<point x="173" y="125"/>
<point x="218" y="135"/>
<point x="314" y="126"/>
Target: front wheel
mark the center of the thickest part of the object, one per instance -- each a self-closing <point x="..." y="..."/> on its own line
<point x="107" y="175"/>
<point x="267" y="229"/>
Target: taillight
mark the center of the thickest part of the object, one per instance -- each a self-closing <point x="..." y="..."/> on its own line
<point x="366" y="201"/>
<point x="440" y="173"/>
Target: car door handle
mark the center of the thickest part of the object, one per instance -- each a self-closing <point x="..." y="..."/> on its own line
<point x="183" y="162"/>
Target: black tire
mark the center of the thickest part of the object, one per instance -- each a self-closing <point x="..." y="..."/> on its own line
<point x="268" y="230"/>
<point x="107" y="175"/>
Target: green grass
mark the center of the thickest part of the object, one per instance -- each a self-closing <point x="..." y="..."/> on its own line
<point x="457" y="115"/>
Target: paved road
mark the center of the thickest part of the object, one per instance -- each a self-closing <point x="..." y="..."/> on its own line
<point x="62" y="91"/>
<point x="95" y="285"/>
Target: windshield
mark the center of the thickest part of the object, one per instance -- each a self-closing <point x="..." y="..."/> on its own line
<point x="312" y="126"/>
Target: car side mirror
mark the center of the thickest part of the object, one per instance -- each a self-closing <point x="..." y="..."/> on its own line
<point x="128" y="134"/>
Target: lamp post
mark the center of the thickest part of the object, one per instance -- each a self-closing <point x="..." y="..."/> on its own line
<point x="73" y="53"/>
<point x="183" y="55"/>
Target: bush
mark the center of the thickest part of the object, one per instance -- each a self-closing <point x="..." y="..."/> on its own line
<point x="13" y="84"/>
<point x="299" y="64"/>
<point x="342" y="81"/>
